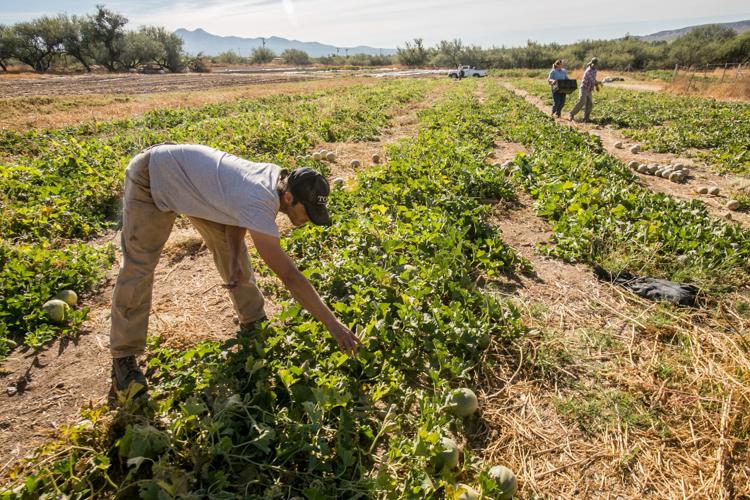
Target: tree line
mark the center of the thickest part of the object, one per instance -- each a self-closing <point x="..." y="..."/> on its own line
<point x="95" y="39"/>
<point x="705" y="45"/>
<point x="102" y="39"/>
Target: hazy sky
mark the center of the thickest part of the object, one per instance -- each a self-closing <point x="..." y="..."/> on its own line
<point x="388" y="23"/>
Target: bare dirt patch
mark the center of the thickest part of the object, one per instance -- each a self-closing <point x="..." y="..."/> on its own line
<point x="133" y="83"/>
<point x="700" y="174"/>
<point x="640" y="86"/>
<point x="189" y="306"/>
<point x="76" y="106"/>
<point x="602" y="398"/>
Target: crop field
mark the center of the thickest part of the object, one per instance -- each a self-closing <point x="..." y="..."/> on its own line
<point x="714" y="131"/>
<point x="462" y="260"/>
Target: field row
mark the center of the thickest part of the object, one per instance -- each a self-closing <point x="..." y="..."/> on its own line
<point x="717" y="132"/>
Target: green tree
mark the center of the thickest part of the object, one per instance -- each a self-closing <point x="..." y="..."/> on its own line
<point x="106" y="31"/>
<point x="261" y="55"/>
<point x="138" y="48"/>
<point x="7" y="46"/>
<point x="295" y="56"/>
<point x="738" y="50"/>
<point x="38" y="42"/>
<point x="74" y="42"/>
<point x="171" y="55"/>
<point x="381" y="60"/>
<point x="413" y="54"/>
<point x="229" y="57"/>
<point x="448" y="53"/>
<point x="703" y="45"/>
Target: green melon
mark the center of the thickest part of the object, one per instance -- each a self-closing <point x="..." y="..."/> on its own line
<point x="68" y="296"/>
<point x="462" y="402"/>
<point x="56" y="310"/>
<point x="505" y="481"/>
<point x="447" y="457"/>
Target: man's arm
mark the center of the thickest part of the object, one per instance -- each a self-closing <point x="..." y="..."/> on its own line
<point x="301" y="289"/>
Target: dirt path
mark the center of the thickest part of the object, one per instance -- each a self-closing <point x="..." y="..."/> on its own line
<point x="544" y="401"/>
<point x="45" y="390"/>
<point x="700" y="174"/>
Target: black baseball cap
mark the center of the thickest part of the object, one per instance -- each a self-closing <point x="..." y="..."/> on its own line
<point x="310" y="188"/>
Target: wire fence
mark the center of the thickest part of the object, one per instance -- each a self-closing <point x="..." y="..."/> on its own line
<point x="711" y="72"/>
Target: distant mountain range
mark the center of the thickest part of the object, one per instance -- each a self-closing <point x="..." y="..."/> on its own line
<point x="200" y="41"/>
<point x="669" y="35"/>
<point x="211" y="45"/>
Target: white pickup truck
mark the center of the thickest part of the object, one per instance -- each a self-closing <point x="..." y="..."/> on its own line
<point x="465" y="71"/>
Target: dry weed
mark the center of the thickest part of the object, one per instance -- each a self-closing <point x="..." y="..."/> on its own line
<point x="614" y="395"/>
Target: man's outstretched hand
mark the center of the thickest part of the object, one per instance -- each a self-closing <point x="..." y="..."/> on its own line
<point x="347" y="341"/>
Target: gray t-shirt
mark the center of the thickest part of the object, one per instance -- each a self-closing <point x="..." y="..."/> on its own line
<point x="204" y="182"/>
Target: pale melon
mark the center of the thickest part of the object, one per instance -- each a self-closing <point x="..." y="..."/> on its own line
<point x="462" y="402"/>
<point x="67" y="296"/>
<point x="56" y="310"/>
<point x="505" y="480"/>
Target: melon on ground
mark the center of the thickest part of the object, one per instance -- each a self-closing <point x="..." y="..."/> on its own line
<point x="505" y="480"/>
<point x="70" y="297"/>
<point x="447" y="457"/>
<point x="462" y="402"/>
<point x="56" y="310"/>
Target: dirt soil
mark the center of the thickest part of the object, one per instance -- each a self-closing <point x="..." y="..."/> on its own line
<point x="42" y="391"/>
<point x="700" y="174"/>
<point x="39" y="112"/>
<point x="135" y="83"/>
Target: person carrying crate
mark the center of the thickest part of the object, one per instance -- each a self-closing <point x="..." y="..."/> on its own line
<point x="589" y="83"/>
<point x="557" y="75"/>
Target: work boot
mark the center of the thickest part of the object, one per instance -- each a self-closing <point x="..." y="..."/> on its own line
<point x="125" y="371"/>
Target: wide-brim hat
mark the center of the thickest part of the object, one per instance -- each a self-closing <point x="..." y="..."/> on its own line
<point x="310" y="188"/>
<point x="594" y="60"/>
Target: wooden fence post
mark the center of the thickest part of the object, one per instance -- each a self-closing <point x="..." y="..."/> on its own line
<point x="676" y="69"/>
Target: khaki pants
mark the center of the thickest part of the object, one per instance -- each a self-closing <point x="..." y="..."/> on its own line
<point x="145" y="230"/>
<point x="586" y="99"/>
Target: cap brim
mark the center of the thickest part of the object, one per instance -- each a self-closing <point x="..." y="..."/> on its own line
<point x="318" y="214"/>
